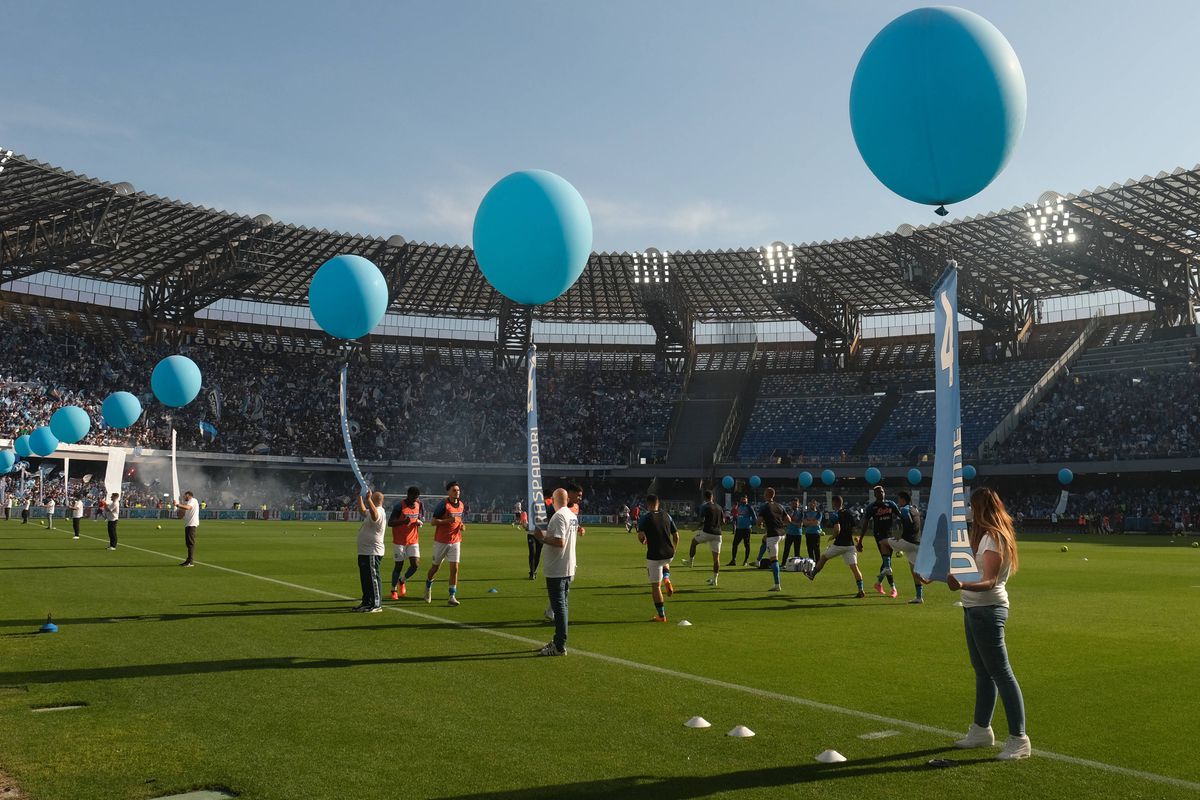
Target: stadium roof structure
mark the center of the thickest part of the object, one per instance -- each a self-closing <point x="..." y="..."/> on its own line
<point x="1140" y="236"/>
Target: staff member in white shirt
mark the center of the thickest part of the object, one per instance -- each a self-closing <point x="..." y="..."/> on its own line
<point x="25" y="510"/>
<point x="191" y="520"/>
<point x="370" y="552"/>
<point x="50" y="506"/>
<point x="76" y="514"/>
<point x="112" y="513"/>
<point x="558" y="566"/>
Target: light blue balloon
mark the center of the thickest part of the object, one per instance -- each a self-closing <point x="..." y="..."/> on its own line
<point x="348" y="296"/>
<point x="806" y="479"/>
<point x="21" y="446"/>
<point x="755" y="481"/>
<point x="532" y="236"/>
<point x="120" y="410"/>
<point x="1065" y="476"/>
<point x="42" y="441"/>
<point x="873" y="475"/>
<point x="914" y="476"/>
<point x="70" y="424"/>
<point x="176" y="381"/>
<point x="937" y="104"/>
<point x="727" y="482"/>
<point x="968" y="473"/>
<point x="7" y="459"/>
<point x="828" y="477"/>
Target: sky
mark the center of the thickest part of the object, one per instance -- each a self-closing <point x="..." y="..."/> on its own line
<point x="684" y="125"/>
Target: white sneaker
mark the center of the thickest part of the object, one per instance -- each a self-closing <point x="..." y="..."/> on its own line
<point x="775" y="588"/>
<point x="549" y="614"/>
<point x="977" y="737"/>
<point x="428" y="594"/>
<point x="453" y="601"/>
<point x="1015" y="747"/>
<point x="687" y="562"/>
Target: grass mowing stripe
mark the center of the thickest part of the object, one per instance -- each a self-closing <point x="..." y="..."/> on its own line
<point x="716" y="683"/>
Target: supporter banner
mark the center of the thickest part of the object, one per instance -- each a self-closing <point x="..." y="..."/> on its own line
<point x="346" y="431"/>
<point x="1061" y="508"/>
<point x="535" y="497"/>
<point x="208" y="431"/>
<point x="114" y="472"/>
<point x="945" y="544"/>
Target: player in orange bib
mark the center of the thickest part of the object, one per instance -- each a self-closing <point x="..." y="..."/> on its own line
<point x="405" y="522"/>
<point x="449" y="519"/>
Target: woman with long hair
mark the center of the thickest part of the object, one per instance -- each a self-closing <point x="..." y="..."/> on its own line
<point x="985" y="612"/>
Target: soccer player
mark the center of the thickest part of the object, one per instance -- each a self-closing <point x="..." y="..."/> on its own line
<point x="405" y="522"/>
<point x="370" y="552"/>
<point x="112" y="513"/>
<point x="811" y="525"/>
<point x="191" y="521"/>
<point x="449" y="523"/>
<point x="657" y="531"/>
<point x="795" y="533"/>
<point x="745" y="517"/>
<point x="9" y="504"/>
<point x="880" y="514"/>
<point x="76" y="507"/>
<point x="559" y="536"/>
<point x="843" y="544"/>
<point x="774" y="519"/>
<point x="50" y="506"/>
<point x="635" y="516"/>
<point x="517" y="514"/>
<point x="910" y="540"/>
<point x="711" y="518"/>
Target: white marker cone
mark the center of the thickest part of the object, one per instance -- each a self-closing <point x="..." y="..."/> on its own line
<point x="741" y="732"/>
<point x="683" y="623"/>
<point x="831" y="757"/>
<point x="698" y="722"/>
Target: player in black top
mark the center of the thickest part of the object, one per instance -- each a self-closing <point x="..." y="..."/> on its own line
<point x="774" y="519"/>
<point x="843" y="544"/>
<point x="657" y="531"/>
<point x="881" y="514"/>
<point x="711" y="518"/>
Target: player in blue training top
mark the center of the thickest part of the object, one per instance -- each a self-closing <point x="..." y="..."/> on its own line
<point x="745" y="518"/>
<point x="811" y="525"/>
<point x="910" y="540"/>
<point x="795" y="534"/>
<point x="880" y="515"/>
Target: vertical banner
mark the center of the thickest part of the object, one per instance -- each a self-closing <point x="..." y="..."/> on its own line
<point x="945" y="544"/>
<point x="174" y="471"/>
<point x="1061" y="508"/>
<point x="66" y="481"/>
<point x="346" y="431"/>
<point x="114" y="472"/>
<point x="535" y="493"/>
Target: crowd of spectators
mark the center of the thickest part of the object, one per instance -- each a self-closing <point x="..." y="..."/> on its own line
<point x="1155" y="508"/>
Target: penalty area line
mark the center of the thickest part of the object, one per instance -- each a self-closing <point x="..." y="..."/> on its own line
<point x="701" y="679"/>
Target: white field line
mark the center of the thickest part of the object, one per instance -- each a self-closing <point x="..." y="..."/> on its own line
<point x="701" y="679"/>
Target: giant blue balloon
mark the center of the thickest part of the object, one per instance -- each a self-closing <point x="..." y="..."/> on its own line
<point x="348" y="296"/>
<point x="21" y="446"/>
<point x="873" y="475"/>
<point x="727" y="482"/>
<point x="968" y="473"/>
<point x="828" y="477"/>
<point x="42" y="441"/>
<point x="806" y="479"/>
<point x="175" y="381"/>
<point x="532" y="236"/>
<point x="120" y="410"/>
<point x="937" y="104"/>
<point x="7" y="459"/>
<point x="914" y="476"/>
<point x="755" y="481"/>
<point x="1065" y="476"/>
<point x="70" y="424"/>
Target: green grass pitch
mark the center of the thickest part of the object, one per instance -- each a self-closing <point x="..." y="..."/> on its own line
<point x="212" y="678"/>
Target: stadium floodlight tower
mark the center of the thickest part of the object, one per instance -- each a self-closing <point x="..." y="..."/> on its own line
<point x="1050" y="221"/>
<point x="666" y="307"/>
<point x="834" y="320"/>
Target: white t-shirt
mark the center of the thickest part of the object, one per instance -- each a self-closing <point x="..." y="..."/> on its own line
<point x="997" y="595"/>
<point x="50" y="507"/>
<point x="559" y="562"/>
<point x="76" y="509"/>
<point x="112" y="511"/>
<point x="370" y="534"/>
<point x="25" y="506"/>
<point x="191" y="515"/>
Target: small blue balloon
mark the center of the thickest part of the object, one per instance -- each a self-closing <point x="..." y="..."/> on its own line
<point x="755" y="481"/>
<point x="806" y="479"/>
<point x="968" y="473"/>
<point x="70" y="424"/>
<point x="1065" y="476"/>
<point x="914" y="476"/>
<point x="532" y="236"/>
<point x="727" y="482"/>
<point x="937" y="104"/>
<point x="7" y="459"/>
<point x="828" y="477"/>
<point x="348" y="296"/>
<point x="176" y="381"/>
<point x="873" y="475"/>
<point x="42" y="441"/>
<point x="21" y="447"/>
<point x="120" y="410"/>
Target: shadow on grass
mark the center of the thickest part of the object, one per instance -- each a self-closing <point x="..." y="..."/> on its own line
<point x="90" y="566"/>
<point x="646" y="787"/>
<point x="460" y="624"/>
<point x="176" y="617"/>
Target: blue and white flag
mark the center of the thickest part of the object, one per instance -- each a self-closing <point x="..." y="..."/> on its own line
<point x="533" y="474"/>
<point x="945" y="544"/>
<point x="346" y="432"/>
<point x="208" y="431"/>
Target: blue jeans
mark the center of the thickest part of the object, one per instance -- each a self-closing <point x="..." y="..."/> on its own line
<point x="368" y="576"/>
<point x="558" y="588"/>
<point x="985" y="644"/>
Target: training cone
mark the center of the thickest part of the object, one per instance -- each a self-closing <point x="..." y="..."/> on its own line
<point x="49" y="627"/>
<point x="830" y="757"/>
<point x="683" y="623"/>
<point x="741" y="732"/>
<point x="493" y="590"/>
<point x="697" y="722"/>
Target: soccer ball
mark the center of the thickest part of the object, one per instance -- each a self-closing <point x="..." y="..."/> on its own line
<point x="1195" y="544"/>
<point x="1064" y="548"/>
<point x="159" y="527"/>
